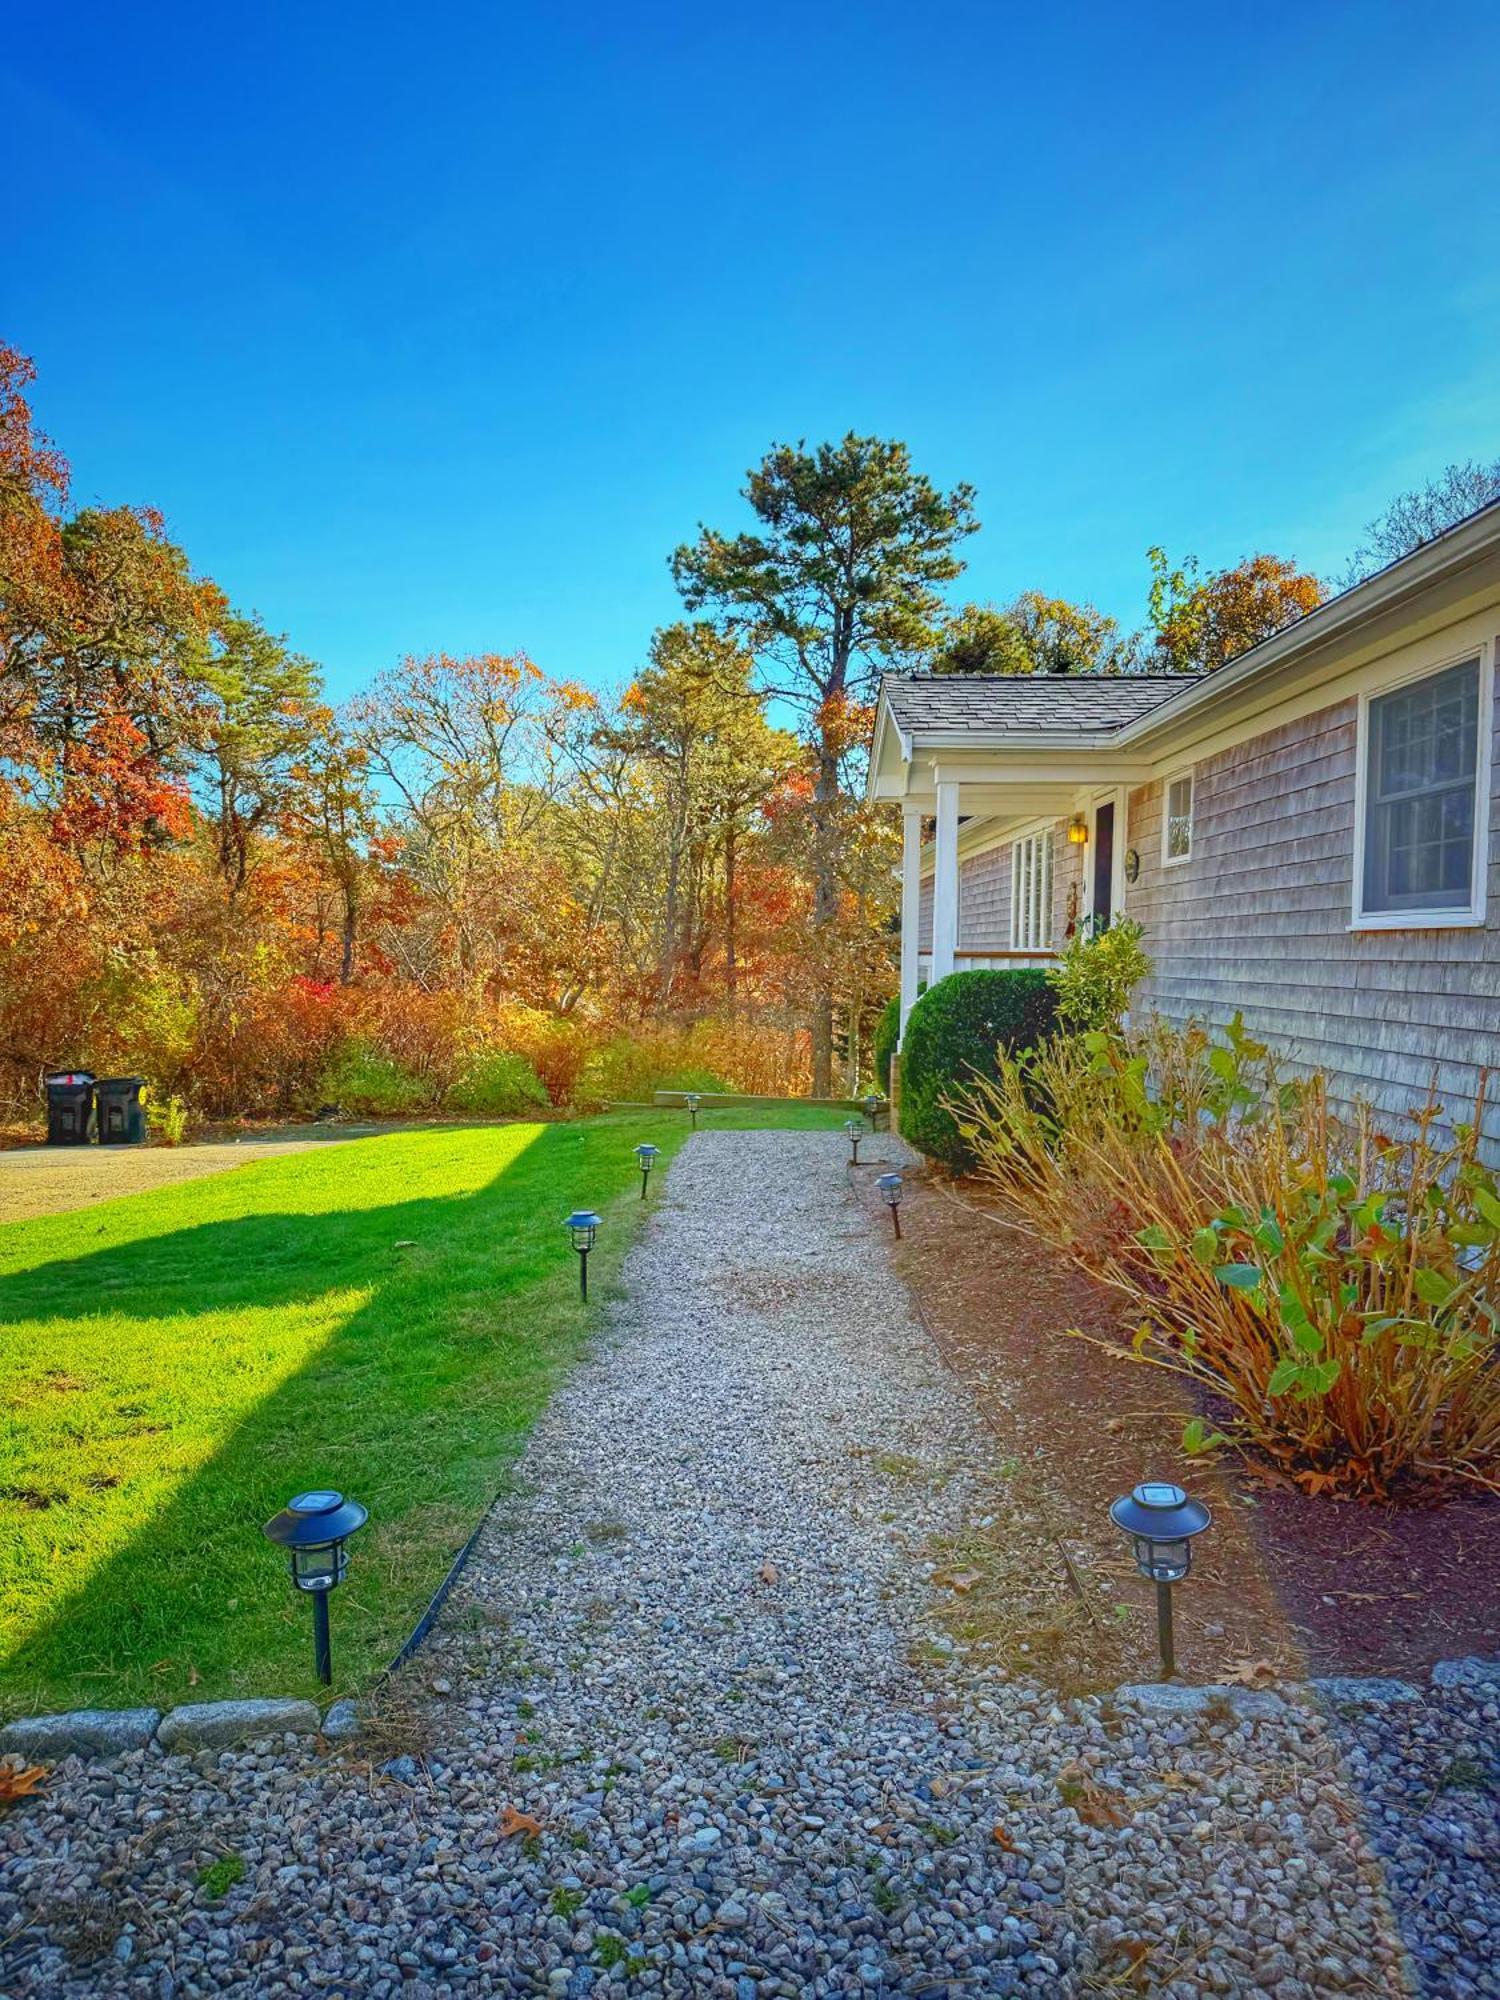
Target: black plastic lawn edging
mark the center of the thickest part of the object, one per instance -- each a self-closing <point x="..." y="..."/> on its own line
<point x="440" y="1596"/>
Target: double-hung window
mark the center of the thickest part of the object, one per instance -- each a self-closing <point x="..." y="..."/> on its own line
<point x="1421" y="845"/>
<point x="1177" y="820"/>
<point x="1031" y="892"/>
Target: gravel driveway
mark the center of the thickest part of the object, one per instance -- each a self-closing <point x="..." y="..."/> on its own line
<point x="689" y="1725"/>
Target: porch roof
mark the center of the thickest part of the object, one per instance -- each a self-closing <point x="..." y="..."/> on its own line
<point x="932" y="709"/>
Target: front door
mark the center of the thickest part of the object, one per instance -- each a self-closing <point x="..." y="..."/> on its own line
<point x="1102" y="908"/>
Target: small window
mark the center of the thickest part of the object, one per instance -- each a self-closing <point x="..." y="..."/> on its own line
<point x="1421" y="776"/>
<point x="1177" y="829"/>
<point x="1031" y="893"/>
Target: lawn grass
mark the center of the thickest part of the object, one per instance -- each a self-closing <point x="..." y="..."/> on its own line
<point x="387" y="1317"/>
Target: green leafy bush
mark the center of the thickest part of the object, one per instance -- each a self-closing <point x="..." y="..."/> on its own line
<point x="370" y="1085"/>
<point x="1332" y="1292"/>
<point x="168" y="1119"/>
<point x="956" y="1033"/>
<point x="691" y="1079"/>
<point x="499" y="1085"/>
<point x="887" y="1034"/>
<point x="1096" y="975"/>
<point x="631" y="1067"/>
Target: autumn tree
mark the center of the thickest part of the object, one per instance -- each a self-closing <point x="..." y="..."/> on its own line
<point x="1033" y="634"/>
<point x="694" y="732"/>
<point x="980" y="639"/>
<point x="261" y="725"/>
<point x="839" y="579"/>
<point x="333" y="815"/>
<point x="1202" y="620"/>
<point x="1418" y="516"/>
<point x="474" y="754"/>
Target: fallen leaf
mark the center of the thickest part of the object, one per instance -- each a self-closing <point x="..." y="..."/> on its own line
<point x="1136" y="1953"/>
<point x="21" y="1784"/>
<point x="1095" y="1804"/>
<point x="193" y="1677"/>
<point x="406" y="1243"/>
<point x="514" y="1821"/>
<point x="769" y="1573"/>
<point x="961" y="1580"/>
<point x="1002" y="1839"/>
<point x="1252" y="1673"/>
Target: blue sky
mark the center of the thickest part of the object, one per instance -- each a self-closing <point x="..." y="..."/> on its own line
<point x="437" y="328"/>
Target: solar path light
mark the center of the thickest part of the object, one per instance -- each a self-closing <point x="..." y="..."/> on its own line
<point x="315" y="1529"/>
<point x="583" y="1226"/>
<point x="646" y="1160"/>
<point x="1161" y="1522"/>
<point x="890" y="1194"/>
<point x="872" y="1109"/>
<point x="856" y="1132"/>
<point x="692" y="1100"/>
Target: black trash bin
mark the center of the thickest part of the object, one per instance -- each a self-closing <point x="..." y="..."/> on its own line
<point x="120" y="1112"/>
<point x="70" y="1103"/>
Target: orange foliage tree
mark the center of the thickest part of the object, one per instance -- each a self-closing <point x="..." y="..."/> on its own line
<point x="1202" y="621"/>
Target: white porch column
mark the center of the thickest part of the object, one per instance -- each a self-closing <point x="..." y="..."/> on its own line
<point x="911" y="908"/>
<point x="945" y="884"/>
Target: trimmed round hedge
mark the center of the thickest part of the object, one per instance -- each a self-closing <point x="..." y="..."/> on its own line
<point x="955" y="1031"/>
<point x="887" y="1034"/>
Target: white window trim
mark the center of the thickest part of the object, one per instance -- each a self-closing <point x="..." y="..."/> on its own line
<point x="1188" y="771"/>
<point x="1046" y="832"/>
<point x="1429" y="920"/>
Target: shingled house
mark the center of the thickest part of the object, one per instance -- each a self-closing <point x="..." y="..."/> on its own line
<point x="1307" y="835"/>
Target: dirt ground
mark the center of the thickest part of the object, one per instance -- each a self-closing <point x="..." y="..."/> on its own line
<point x="51" y="1180"/>
<point x="1280" y="1582"/>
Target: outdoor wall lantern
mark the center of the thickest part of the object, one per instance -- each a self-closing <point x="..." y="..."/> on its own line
<point x="315" y="1529"/>
<point x="692" y="1100"/>
<point x="1078" y="830"/>
<point x="890" y="1194"/>
<point x="1161" y="1522"/>
<point x="856" y="1132"/>
<point x="583" y="1226"/>
<point x="646" y="1160"/>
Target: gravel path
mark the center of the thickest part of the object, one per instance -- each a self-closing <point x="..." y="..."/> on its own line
<point x="690" y="1725"/>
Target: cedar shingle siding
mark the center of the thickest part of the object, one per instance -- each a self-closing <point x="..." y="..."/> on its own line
<point x="1258" y="920"/>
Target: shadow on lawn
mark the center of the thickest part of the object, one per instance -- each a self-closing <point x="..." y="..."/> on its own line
<point x="416" y="1403"/>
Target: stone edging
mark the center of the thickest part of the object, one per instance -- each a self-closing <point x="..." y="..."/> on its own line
<point x="212" y="1725"/>
<point x="199" y="1725"/>
<point x="1336" y="1691"/>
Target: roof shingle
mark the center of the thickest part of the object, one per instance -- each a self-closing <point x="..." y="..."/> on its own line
<point x="1024" y="704"/>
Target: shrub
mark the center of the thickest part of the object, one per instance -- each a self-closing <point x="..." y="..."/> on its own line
<point x="555" y="1046"/>
<point x="887" y="1034"/>
<point x="499" y="1085"/>
<point x="270" y="1050"/>
<point x="169" y="1121"/>
<point x="956" y="1033"/>
<point x="1334" y="1293"/>
<point x="698" y="1055"/>
<point x="431" y="1036"/>
<point x="1096" y="975"/>
<point x="370" y="1085"/>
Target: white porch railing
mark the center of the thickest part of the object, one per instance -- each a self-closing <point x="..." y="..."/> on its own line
<point x="974" y="960"/>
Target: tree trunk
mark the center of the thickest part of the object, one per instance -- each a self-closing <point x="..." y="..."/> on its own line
<point x="351" y="926"/>
<point x="731" y="967"/>
<point x="825" y="910"/>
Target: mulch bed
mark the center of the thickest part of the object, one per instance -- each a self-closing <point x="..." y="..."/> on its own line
<point x="1302" y="1585"/>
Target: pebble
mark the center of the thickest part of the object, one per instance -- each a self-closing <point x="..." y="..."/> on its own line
<point x="695" y="1646"/>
